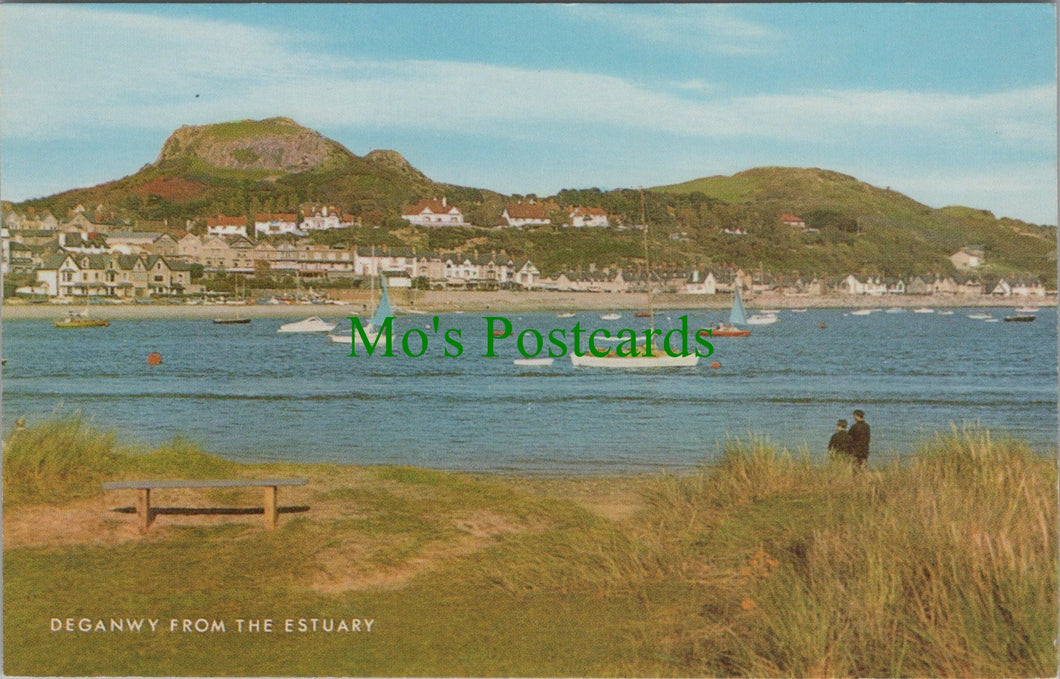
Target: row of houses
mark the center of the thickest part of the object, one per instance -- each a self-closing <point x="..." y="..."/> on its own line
<point x="531" y="213"/>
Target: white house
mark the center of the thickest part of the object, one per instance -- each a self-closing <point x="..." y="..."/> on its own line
<point x="967" y="258"/>
<point x="589" y="216"/>
<point x="226" y="226"/>
<point x="324" y="217"/>
<point x="276" y="223"/>
<point x="700" y="285"/>
<point x="528" y="214"/>
<point x="434" y="213"/>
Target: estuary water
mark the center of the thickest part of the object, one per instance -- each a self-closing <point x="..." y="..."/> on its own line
<point x="249" y="393"/>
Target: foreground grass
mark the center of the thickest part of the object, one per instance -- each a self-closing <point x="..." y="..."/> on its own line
<point x="766" y="565"/>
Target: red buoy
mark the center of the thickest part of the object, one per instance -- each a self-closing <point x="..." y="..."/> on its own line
<point x="822" y="325"/>
<point x="715" y="365"/>
<point x="154" y="358"/>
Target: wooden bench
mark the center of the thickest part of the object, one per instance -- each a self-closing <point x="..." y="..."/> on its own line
<point x="144" y="488"/>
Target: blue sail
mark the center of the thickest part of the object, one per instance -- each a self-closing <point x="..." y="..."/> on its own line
<point x="737" y="315"/>
<point x="383" y="310"/>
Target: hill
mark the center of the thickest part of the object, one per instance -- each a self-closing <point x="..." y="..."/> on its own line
<point x="274" y="165"/>
<point x="249" y="166"/>
<point x="870" y="229"/>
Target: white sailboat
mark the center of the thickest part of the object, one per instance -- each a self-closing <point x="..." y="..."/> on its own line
<point x="645" y="357"/>
<point x="382" y="311"/>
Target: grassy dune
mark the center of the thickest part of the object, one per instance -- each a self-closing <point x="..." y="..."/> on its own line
<point x="769" y="564"/>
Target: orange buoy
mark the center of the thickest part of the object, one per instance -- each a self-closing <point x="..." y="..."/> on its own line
<point x="715" y="365"/>
<point x="822" y="325"/>
<point x="154" y="358"/>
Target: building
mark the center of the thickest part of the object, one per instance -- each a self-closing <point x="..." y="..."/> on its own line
<point x="66" y="274"/>
<point x="276" y="224"/>
<point x="434" y="213"/>
<point x="588" y="216"/>
<point x="528" y="214"/>
<point x="794" y="221"/>
<point x="324" y="217"/>
<point x="225" y="226"/>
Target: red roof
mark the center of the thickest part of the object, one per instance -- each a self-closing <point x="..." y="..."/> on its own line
<point x="275" y="217"/>
<point x="438" y="207"/>
<point x="527" y="211"/>
<point x="221" y="220"/>
<point x="589" y="211"/>
<point x="789" y="218"/>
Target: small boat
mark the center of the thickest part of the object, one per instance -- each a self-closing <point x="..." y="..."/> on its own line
<point x="612" y="316"/>
<point x="990" y="320"/>
<point x="80" y="319"/>
<point x="737" y="317"/>
<point x="643" y="314"/>
<point x="799" y="311"/>
<point x="565" y="314"/>
<point x="762" y="319"/>
<point x="946" y="312"/>
<point x="923" y="310"/>
<point x="375" y="324"/>
<point x="232" y="321"/>
<point x="861" y="312"/>
<point x="533" y="362"/>
<point x="896" y="310"/>
<point x="1026" y="309"/>
<point x="724" y="330"/>
<point x="656" y="360"/>
<point x="1020" y="318"/>
<point x="979" y="316"/>
<point x="311" y="324"/>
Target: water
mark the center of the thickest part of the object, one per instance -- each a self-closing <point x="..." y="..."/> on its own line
<point x="248" y="393"/>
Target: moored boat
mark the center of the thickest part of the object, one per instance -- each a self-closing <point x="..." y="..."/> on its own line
<point x="1020" y="318"/>
<point x="533" y="362"/>
<point x="611" y="316"/>
<point x="311" y="324"/>
<point x="80" y="319"/>
<point x="240" y="320"/>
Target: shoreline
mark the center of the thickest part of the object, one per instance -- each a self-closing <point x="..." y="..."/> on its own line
<point x="509" y="301"/>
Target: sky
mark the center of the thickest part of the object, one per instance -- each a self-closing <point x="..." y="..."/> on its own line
<point x="950" y="104"/>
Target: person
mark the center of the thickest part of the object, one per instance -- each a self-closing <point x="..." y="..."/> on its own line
<point x="839" y="444"/>
<point x="859" y="438"/>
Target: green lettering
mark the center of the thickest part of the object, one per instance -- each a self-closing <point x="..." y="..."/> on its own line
<point x="384" y="330"/>
<point x="592" y="343"/>
<point x="492" y="334"/>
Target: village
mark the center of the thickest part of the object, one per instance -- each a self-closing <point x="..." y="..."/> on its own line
<point x="84" y="257"/>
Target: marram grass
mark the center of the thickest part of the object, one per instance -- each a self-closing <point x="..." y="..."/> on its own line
<point x="769" y="563"/>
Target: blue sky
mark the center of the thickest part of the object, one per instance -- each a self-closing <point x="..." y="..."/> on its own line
<point x="950" y="104"/>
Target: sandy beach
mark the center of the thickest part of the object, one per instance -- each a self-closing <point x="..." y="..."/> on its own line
<point x="506" y="301"/>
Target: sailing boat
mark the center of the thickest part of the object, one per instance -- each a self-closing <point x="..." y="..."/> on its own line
<point x="737" y="317"/>
<point x="382" y="311"/>
<point x="657" y="357"/>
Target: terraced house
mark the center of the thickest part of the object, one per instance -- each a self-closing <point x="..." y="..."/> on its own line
<point x="68" y="274"/>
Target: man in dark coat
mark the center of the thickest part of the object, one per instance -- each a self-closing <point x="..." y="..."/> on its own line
<point x="839" y="444"/>
<point x="859" y="438"/>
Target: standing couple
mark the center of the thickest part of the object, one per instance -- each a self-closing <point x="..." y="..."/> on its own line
<point x="854" y="443"/>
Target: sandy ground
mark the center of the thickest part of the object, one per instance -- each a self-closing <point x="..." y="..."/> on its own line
<point x="500" y="301"/>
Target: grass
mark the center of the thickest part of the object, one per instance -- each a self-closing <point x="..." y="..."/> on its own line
<point x="767" y="564"/>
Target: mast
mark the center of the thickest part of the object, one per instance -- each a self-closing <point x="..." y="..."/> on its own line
<point x="647" y="262"/>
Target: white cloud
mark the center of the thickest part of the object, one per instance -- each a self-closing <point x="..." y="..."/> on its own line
<point x="702" y="28"/>
<point x="76" y="72"/>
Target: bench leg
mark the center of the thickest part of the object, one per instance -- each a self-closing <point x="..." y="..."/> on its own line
<point x="272" y="509"/>
<point x="143" y="508"/>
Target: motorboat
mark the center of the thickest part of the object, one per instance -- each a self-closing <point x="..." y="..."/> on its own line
<point x="80" y="319"/>
<point x="762" y="319"/>
<point x="311" y="324"/>
<point x="533" y="362"/>
<point x="611" y="316"/>
<point x="1020" y="318"/>
<point x="237" y="320"/>
<point x="565" y="314"/>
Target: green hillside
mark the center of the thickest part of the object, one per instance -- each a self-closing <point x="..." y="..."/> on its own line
<point x="274" y="165"/>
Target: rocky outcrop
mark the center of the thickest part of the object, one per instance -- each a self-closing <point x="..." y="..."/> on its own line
<point x="274" y="144"/>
